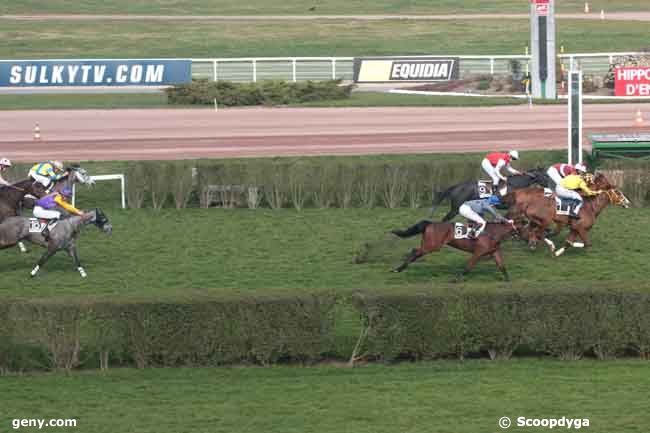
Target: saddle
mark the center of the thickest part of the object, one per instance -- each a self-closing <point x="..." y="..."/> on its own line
<point x="37" y="225"/>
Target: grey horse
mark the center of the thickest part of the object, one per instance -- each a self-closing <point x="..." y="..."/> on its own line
<point x="63" y="236"/>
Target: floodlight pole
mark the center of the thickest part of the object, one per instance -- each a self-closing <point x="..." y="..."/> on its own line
<point x="575" y="117"/>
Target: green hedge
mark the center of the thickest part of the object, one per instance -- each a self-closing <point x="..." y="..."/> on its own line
<point x="570" y="324"/>
<point x="267" y="92"/>
<point x="301" y="182"/>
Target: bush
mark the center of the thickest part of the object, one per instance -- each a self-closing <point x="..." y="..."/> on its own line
<point x="269" y="92"/>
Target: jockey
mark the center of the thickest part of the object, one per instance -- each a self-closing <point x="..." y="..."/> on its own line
<point x="46" y="173"/>
<point x="494" y="162"/>
<point x="4" y="165"/>
<point x="557" y="172"/>
<point x="45" y="208"/>
<point x="568" y="187"/>
<point x="474" y="210"/>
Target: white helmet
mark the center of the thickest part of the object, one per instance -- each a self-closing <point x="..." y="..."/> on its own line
<point x="514" y="154"/>
<point x="580" y="168"/>
<point x="5" y="162"/>
<point x="57" y="164"/>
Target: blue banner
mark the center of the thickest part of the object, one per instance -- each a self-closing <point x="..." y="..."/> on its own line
<point x="59" y="73"/>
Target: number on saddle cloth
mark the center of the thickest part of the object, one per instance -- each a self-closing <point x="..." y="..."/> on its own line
<point x="462" y="231"/>
<point x="484" y="188"/>
<point x="38" y="225"/>
<point x="563" y="206"/>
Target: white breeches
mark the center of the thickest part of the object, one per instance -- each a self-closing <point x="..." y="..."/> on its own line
<point x="555" y="175"/>
<point x="46" y="214"/>
<point x="45" y="181"/>
<point x="491" y="171"/>
<point x="468" y="213"/>
<point x="567" y="193"/>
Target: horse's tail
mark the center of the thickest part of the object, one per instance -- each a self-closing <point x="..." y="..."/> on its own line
<point x="413" y="230"/>
<point x="439" y="198"/>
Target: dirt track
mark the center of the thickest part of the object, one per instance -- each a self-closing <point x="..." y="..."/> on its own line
<point x="203" y="133"/>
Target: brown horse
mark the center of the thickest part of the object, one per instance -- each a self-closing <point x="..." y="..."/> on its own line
<point x="530" y="204"/>
<point x="437" y="235"/>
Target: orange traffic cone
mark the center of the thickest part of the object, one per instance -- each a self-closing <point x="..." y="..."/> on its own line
<point x="638" y="121"/>
<point x="37" y="132"/>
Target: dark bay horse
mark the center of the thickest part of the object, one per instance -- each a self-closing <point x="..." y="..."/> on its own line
<point x="437" y="235"/>
<point x="530" y="206"/>
<point x="462" y="192"/>
<point x="11" y="196"/>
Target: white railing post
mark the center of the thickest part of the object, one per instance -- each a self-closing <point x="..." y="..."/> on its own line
<point x="254" y="71"/>
<point x="293" y="69"/>
<point x="491" y="65"/>
<point x="123" y="192"/>
<point x="333" y="68"/>
<point x="214" y="70"/>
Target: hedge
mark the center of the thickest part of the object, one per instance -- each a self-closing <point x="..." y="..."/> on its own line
<point x="298" y="182"/>
<point x="68" y="334"/>
<point x="267" y="92"/>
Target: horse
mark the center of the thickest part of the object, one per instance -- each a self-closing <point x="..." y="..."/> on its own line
<point x="12" y="195"/>
<point x="465" y="191"/>
<point x="62" y="236"/>
<point x="436" y="235"/>
<point x="540" y="212"/>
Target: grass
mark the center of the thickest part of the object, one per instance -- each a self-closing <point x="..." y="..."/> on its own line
<point x="101" y="39"/>
<point x="245" y="252"/>
<point x="298" y="7"/>
<point x="431" y="397"/>
<point x="82" y="101"/>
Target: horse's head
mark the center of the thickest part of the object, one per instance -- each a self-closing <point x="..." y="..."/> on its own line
<point x="79" y="175"/>
<point x="598" y="181"/>
<point x="617" y="198"/>
<point x="100" y="219"/>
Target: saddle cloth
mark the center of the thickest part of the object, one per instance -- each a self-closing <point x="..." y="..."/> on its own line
<point x="462" y="231"/>
<point x="563" y="206"/>
<point x="484" y="188"/>
<point x="37" y="225"/>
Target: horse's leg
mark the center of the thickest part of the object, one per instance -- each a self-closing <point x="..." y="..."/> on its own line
<point x="72" y="251"/>
<point x="568" y="243"/>
<point x="472" y="262"/>
<point x="44" y="258"/>
<point x="498" y="258"/>
<point x="21" y="245"/>
<point x="415" y="254"/>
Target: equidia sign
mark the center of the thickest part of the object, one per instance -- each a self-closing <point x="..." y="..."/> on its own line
<point x="424" y="69"/>
<point x="632" y="81"/>
<point x="59" y="73"/>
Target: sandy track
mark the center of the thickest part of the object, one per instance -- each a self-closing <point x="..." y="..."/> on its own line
<point x="203" y="133"/>
<point x="616" y="16"/>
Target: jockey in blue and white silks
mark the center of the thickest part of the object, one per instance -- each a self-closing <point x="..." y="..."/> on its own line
<point x="474" y="210"/>
<point x="46" y="173"/>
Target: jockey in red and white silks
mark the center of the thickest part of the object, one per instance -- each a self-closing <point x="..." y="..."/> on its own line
<point x="494" y="162"/>
<point x="557" y="172"/>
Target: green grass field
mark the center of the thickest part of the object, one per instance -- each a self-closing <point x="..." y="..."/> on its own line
<point x="102" y="39"/>
<point x="298" y="7"/>
<point x="437" y="397"/>
<point x="255" y="252"/>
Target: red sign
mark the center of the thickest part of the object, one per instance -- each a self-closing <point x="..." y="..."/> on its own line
<point x="632" y="81"/>
<point x="542" y="7"/>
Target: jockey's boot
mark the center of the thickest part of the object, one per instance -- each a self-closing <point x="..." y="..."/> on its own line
<point x="46" y="233"/>
<point x="575" y="211"/>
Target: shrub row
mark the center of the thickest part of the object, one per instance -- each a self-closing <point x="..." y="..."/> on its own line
<point x="207" y="332"/>
<point x="297" y="183"/>
<point x="267" y="92"/>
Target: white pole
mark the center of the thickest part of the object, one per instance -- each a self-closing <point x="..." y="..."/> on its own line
<point x="293" y="67"/>
<point x="254" y="71"/>
<point x="333" y="69"/>
<point x="214" y="70"/>
<point x="123" y="196"/>
<point x="74" y="195"/>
